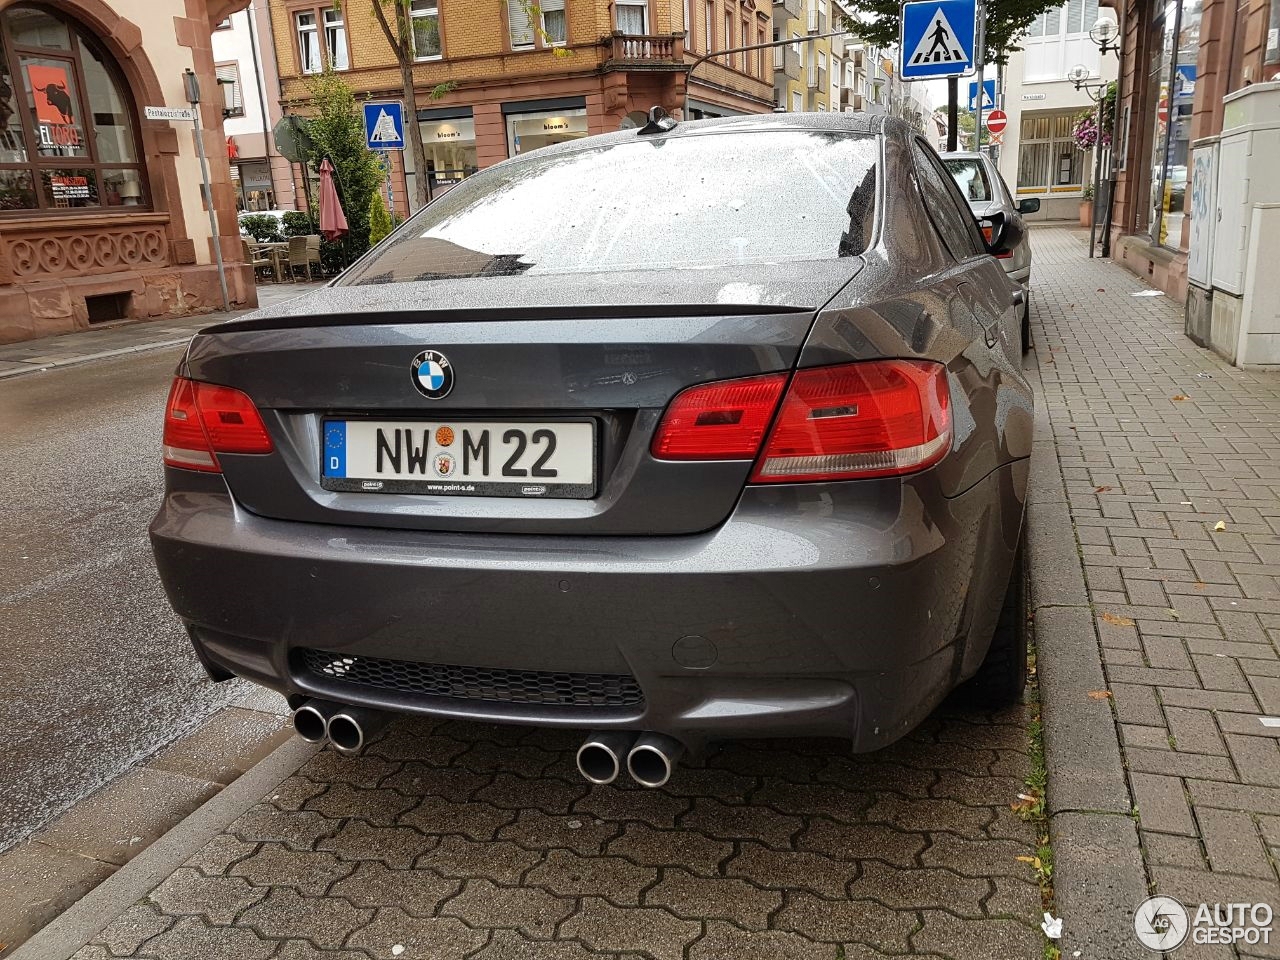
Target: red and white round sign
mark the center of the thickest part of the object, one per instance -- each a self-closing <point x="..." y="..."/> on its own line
<point x="997" y="120"/>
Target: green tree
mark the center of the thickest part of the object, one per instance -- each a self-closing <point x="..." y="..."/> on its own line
<point x="337" y="130"/>
<point x="379" y="219"/>
<point x="879" y="22"/>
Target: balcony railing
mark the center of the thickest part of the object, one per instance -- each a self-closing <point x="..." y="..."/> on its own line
<point x="645" y="49"/>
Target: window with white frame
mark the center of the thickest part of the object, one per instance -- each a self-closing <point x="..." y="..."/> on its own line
<point x="424" y="20"/>
<point x="797" y="102"/>
<point x="555" y="29"/>
<point x="691" y="41"/>
<point x="1058" y="39"/>
<point x="335" y="39"/>
<point x="520" y="24"/>
<point x="1049" y="161"/>
<point x="709" y="25"/>
<point x="728" y="35"/>
<point x="309" y="58"/>
<point x="633" y="17"/>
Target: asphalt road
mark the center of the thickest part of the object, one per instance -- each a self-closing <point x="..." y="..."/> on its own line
<point x="97" y="673"/>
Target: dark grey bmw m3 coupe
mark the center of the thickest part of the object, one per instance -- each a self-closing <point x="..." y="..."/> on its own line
<point x="698" y="431"/>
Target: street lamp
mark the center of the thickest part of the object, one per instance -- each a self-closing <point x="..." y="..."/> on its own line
<point x="1079" y="77"/>
<point x="1105" y="33"/>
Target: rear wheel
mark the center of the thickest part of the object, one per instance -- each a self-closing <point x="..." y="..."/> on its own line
<point x="1002" y="676"/>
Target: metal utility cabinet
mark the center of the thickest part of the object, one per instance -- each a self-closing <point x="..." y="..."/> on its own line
<point x="1244" y="239"/>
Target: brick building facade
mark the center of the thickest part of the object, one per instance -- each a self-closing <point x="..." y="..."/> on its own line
<point x="101" y="210"/>
<point x="504" y="85"/>
<point x="1179" y="59"/>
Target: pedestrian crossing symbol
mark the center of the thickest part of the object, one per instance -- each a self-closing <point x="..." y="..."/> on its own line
<point x="938" y="39"/>
<point x="384" y="125"/>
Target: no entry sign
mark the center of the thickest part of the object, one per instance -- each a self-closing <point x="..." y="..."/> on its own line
<point x="997" y="120"/>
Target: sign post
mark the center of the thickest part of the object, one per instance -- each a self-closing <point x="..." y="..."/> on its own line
<point x="384" y="131"/>
<point x="192" y="114"/>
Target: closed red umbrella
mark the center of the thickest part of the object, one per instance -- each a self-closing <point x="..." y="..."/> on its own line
<point x="333" y="222"/>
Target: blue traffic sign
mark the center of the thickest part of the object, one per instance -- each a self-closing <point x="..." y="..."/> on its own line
<point x="384" y="125"/>
<point x="938" y="39"/>
<point x="988" y="94"/>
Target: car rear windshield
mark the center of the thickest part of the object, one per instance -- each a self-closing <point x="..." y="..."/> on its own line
<point x="696" y="201"/>
<point x="972" y="178"/>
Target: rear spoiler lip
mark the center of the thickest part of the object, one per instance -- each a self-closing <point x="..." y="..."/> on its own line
<point x="478" y="314"/>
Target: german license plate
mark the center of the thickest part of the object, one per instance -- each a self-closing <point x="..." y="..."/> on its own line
<point x="464" y="458"/>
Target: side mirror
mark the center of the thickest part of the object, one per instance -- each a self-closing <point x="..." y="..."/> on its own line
<point x="1006" y="234"/>
<point x="1029" y="205"/>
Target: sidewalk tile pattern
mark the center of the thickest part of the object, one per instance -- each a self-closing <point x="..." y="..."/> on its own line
<point x="451" y="840"/>
<point x="1171" y="460"/>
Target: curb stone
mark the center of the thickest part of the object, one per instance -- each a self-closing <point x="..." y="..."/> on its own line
<point x="80" y="923"/>
<point x="1098" y="873"/>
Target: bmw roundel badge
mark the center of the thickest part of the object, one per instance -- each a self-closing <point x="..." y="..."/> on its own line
<point x="432" y="374"/>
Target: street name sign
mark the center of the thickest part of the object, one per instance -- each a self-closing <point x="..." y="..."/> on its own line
<point x="168" y="113"/>
<point x="997" y="120"/>
<point x="384" y="125"/>
<point x="938" y="39"/>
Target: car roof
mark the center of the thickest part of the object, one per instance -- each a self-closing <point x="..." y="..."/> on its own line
<point x="864" y="124"/>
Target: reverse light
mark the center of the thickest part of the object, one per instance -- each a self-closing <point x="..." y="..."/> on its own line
<point x="880" y="418"/>
<point x="725" y="420"/>
<point x="202" y="420"/>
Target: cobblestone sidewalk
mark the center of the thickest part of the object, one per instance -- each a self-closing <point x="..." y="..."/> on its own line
<point x="1171" y="460"/>
<point x="458" y="840"/>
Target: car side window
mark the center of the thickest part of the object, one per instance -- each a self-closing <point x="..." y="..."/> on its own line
<point x="947" y="209"/>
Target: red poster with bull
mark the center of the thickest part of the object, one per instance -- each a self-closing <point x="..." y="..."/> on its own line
<point x="55" y="104"/>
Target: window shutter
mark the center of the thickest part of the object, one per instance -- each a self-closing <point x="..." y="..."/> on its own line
<point x="521" y="28"/>
<point x="550" y="6"/>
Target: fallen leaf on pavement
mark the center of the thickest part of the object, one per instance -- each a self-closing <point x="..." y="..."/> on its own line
<point x="1199" y="585"/>
<point x="1034" y="861"/>
<point x="1220" y="526"/>
<point x="1099" y="694"/>
<point x="1101" y="489"/>
<point x="1180" y="396"/>
<point x="1173" y="613"/>
<point x="1116" y="621"/>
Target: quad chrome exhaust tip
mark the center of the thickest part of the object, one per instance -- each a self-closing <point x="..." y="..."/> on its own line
<point x="311" y="720"/>
<point x="603" y="755"/>
<point x="652" y="759"/>
<point x="351" y="728"/>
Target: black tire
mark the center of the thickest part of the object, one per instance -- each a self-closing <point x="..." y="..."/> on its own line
<point x="1026" y="322"/>
<point x="1003" y="675"/>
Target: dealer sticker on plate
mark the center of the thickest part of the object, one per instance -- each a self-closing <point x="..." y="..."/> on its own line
<point x="461" y="458"/>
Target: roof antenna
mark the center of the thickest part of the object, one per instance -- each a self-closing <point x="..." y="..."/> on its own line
<point x="659" y="122"/>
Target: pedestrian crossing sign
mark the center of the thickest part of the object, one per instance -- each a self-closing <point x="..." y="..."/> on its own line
<point x="938" y="39"/>
<point x="384" y="125"/>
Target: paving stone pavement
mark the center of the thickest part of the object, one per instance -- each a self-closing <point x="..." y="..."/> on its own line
<point x="1159" y="443"/>
<point x="450" y="839"/>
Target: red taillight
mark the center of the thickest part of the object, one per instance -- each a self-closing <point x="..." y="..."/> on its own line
<point x="719" y="421"/>
<point x="881" y="418"/>
<point x="988" y="232"/>
<point x="202" y="420"/>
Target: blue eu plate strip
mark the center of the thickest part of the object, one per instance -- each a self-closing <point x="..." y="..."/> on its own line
<point x="335" y="448"/>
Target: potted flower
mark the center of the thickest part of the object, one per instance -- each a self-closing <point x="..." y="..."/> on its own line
<point x="1086" y="206"/>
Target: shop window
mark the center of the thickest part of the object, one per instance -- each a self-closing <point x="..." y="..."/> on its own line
<point x="1171" y="91"/>
<point x="425" y="21"/>
<point x="229" y="84"/>
<point x="521" y="26"/>
<point x="633" y="17"/>
<point x="68" y="131"/>
<point x="1049" y="160"/>
<point x="554" y="26"/>
<point x="529" y="131"/>
<point x="450" y="150"/>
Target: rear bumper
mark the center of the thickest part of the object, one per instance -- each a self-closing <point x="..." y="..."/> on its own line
<point x="823" y="609"/>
